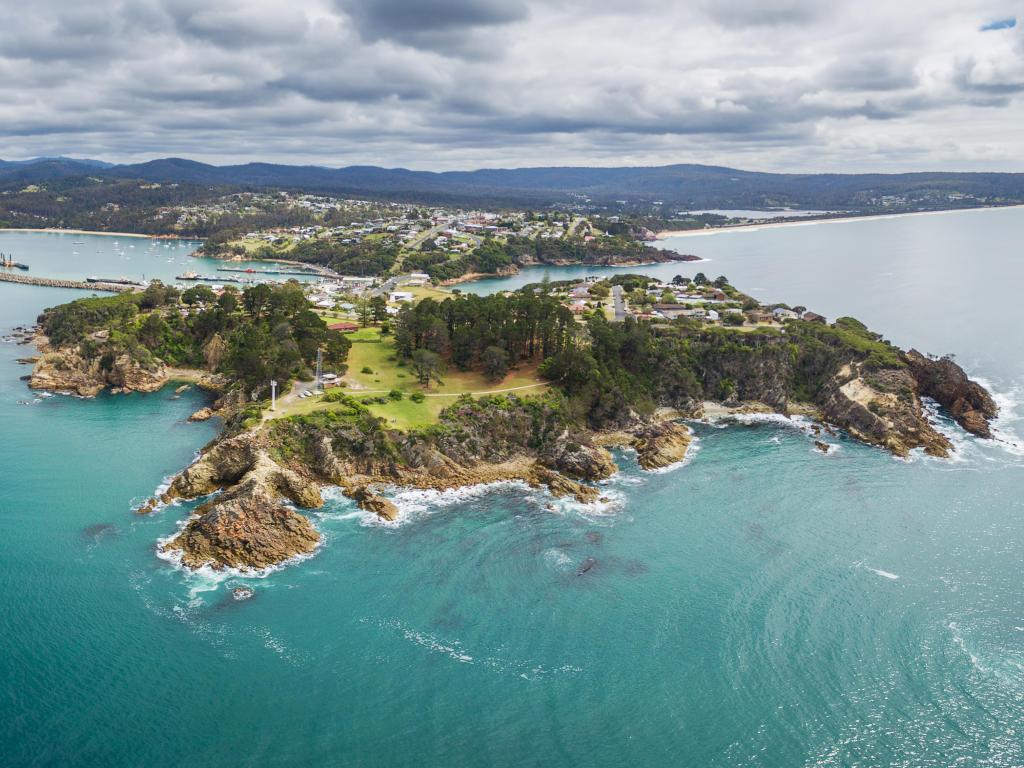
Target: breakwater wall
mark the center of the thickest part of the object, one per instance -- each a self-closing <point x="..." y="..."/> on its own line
<point x="50" y="282"/>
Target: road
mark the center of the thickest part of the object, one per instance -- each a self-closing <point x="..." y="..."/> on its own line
<point x="619" y="303"/>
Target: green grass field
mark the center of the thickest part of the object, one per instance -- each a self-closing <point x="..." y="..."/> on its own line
<point x="372" y="351"/>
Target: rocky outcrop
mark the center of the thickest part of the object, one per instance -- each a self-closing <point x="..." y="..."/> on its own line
<point x="247" y="525"/>
<point x="66" y="370"/>
<point x="579" y="460"/>
<point x="661" y="444"/>
<point x="373" y="502"/>
<point x="882" y="408"/>
<point x="560" y="485"/>
<point x="203" y="414"/>
<point x="246" y="528"/>
<point x="945" y="382"/>
<point x="657" y="443"/>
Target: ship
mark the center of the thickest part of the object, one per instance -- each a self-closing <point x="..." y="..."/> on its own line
<point x="9" y="263"/>
<point x="113" y="280"/>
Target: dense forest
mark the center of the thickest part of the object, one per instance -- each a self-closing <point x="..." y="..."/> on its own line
<point x="610" y="371"/>
<point x="524" y="326"/>
<point x="265" y="332"/>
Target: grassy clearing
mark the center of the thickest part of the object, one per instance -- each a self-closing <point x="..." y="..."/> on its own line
<point x="372" y="351"/>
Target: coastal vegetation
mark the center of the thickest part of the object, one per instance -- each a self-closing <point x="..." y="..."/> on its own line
<point x="263" y="333"/>
<point x="435" y="400"/>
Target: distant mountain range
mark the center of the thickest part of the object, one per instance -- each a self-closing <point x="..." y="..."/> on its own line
<point x="675" y="186"/>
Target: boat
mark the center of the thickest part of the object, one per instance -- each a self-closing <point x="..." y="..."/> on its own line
<point x="190" y="275"/>
<point x="113" y="280"/>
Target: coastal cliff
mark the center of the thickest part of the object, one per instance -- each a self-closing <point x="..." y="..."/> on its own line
<point x="257" y="473"/>
<point x="66" y="370"/>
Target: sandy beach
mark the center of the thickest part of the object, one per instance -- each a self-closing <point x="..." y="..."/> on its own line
<point x="810" y="222"/>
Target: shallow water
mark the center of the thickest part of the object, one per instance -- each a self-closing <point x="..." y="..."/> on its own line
<point x="763" y="605"/>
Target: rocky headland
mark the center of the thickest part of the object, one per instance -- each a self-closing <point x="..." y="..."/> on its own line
<point x="257" y="479"/>
<point x="625" y="385"/>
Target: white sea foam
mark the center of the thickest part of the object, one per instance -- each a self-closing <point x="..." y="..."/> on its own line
<point x="457" y="651"/>
<point x="1008" y="421"/>
<point x="451" y="648"/>
<point x="883" y="574"/>
<point x="557" y="559"/>
<point x="413" y="504"/>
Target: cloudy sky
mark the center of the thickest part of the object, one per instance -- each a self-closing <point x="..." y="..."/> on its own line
<point x="797" y="85"/>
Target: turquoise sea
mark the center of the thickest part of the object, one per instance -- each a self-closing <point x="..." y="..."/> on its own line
<point x="763" y="605"/>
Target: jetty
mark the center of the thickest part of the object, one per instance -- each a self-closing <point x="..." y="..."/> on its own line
<point x="195" y="277"/>
<point x="50" y="282"/>
<point x="251" y="271"/>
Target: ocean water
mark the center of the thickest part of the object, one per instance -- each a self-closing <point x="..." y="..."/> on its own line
<point x="762" y="605"/>
<point x="76" y="257"/>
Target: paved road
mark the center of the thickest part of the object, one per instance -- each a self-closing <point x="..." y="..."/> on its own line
<point x="620" y="303"/>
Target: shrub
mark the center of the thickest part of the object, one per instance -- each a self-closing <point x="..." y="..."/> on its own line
<point x="417" y="397"/>
<point x="366" y="369"/>
<point x="395" y="394"/>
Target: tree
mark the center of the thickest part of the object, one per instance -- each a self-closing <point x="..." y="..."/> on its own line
<point x="256" y="300"/>
<point x="151" y="330"/>
<point x="228" y="300"/>
<point x="428" y="366"/>
<point x="721" y="281"/>
<point x="667" y="297"/>
<point x="364" y="310"/>
<point x="599" y="291"/>
<point x="157" y="295"/>
<point x="700" y="279"/>
<point x="379" y="308"/>
<point x="495" y="363"/>
<point x="198" y="294"/>
<point x="679" y="280"/>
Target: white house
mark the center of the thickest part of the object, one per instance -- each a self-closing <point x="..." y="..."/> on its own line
<point x="400" y="296"/>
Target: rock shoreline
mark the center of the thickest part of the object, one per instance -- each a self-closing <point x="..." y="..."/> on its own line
<point x="252" y="522"/>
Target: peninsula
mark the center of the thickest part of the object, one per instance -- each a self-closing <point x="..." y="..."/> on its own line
<point x="532" y="386"/>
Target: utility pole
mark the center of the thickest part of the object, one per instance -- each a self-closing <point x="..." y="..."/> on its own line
<point x="273" y="394"/>
<point x="319" y="369"/>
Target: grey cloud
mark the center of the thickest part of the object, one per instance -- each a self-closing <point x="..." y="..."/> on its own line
<point x="457" y="83"/>
<point x="758" y="13"/>
<point x="872" y="72"/>
<point x="444" y="26"/>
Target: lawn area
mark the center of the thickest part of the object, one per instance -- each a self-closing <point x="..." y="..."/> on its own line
<point x="372" y="351"/>
<point x="427" y="292"/>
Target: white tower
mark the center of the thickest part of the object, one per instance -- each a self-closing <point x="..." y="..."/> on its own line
<point x="273" y="394"/>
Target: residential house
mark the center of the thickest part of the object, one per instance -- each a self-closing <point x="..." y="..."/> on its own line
<point x="760" y="316"/>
